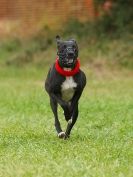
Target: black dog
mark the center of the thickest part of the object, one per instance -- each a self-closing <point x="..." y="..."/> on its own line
<point x="65" y="83"/>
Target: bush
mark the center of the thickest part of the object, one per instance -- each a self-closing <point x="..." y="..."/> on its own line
<point x="119" y="20"/>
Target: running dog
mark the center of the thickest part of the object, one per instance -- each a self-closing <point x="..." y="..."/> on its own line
<point x="65" y="83"/>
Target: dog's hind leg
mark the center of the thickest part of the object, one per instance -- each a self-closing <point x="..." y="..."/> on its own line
<point x="66" y="112"/>
<point x="71" y="121"/>
<point x="54" y="105"/>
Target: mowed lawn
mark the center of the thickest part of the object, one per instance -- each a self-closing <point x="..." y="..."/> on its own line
<point x="101" y="143"/>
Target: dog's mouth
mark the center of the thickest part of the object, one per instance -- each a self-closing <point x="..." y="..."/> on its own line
<point x="70" y="57"/>
<point x="70" y="61"/>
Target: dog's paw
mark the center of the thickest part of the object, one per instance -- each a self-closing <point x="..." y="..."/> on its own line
<point x="61" y="134"/>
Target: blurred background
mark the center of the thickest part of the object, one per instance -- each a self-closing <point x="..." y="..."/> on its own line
<point x="102" y="28"/>
<point x="102" y="139"/>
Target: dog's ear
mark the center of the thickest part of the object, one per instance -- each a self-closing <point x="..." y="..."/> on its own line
<point x="57" y="38"/>
<point x="73" y="40"/>
<point x="58" y="42"/>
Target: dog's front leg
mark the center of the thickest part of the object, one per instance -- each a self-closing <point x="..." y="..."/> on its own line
<point x="73" y="113"/>
<point x="54" y="105"/>
<point x="65" y="106"/>
<point x="71" y="121"/>
<point x="67" y="112"/>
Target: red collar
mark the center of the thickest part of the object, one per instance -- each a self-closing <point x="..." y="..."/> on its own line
<point x="67" y="73"/>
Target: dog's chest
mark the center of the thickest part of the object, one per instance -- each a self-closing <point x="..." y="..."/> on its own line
<point x="68" y="88"/>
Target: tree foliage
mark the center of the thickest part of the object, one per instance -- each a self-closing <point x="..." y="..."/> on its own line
<point x="120" y="17"/>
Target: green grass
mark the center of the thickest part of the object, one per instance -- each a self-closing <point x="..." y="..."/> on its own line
<point x="101" y="143"/>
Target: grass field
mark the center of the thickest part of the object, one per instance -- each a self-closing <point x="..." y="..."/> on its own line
<point x="101" y="143"/>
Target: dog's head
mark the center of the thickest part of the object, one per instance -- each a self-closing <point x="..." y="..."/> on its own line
<point x="67" y="52"/>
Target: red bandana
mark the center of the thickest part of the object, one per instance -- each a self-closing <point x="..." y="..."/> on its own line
<point x="67" y="73"/>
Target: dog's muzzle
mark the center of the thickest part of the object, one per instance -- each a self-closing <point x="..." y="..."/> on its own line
<point x="70" y="57"/>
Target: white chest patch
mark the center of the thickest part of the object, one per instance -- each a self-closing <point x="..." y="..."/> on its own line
<point x="67" y="88"/>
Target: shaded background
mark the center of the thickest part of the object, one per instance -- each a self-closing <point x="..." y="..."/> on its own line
<point x="103" y="29"/>
<point x="18" y="15"/>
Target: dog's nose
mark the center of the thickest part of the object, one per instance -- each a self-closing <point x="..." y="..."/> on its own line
<point x="70" y="54"/>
